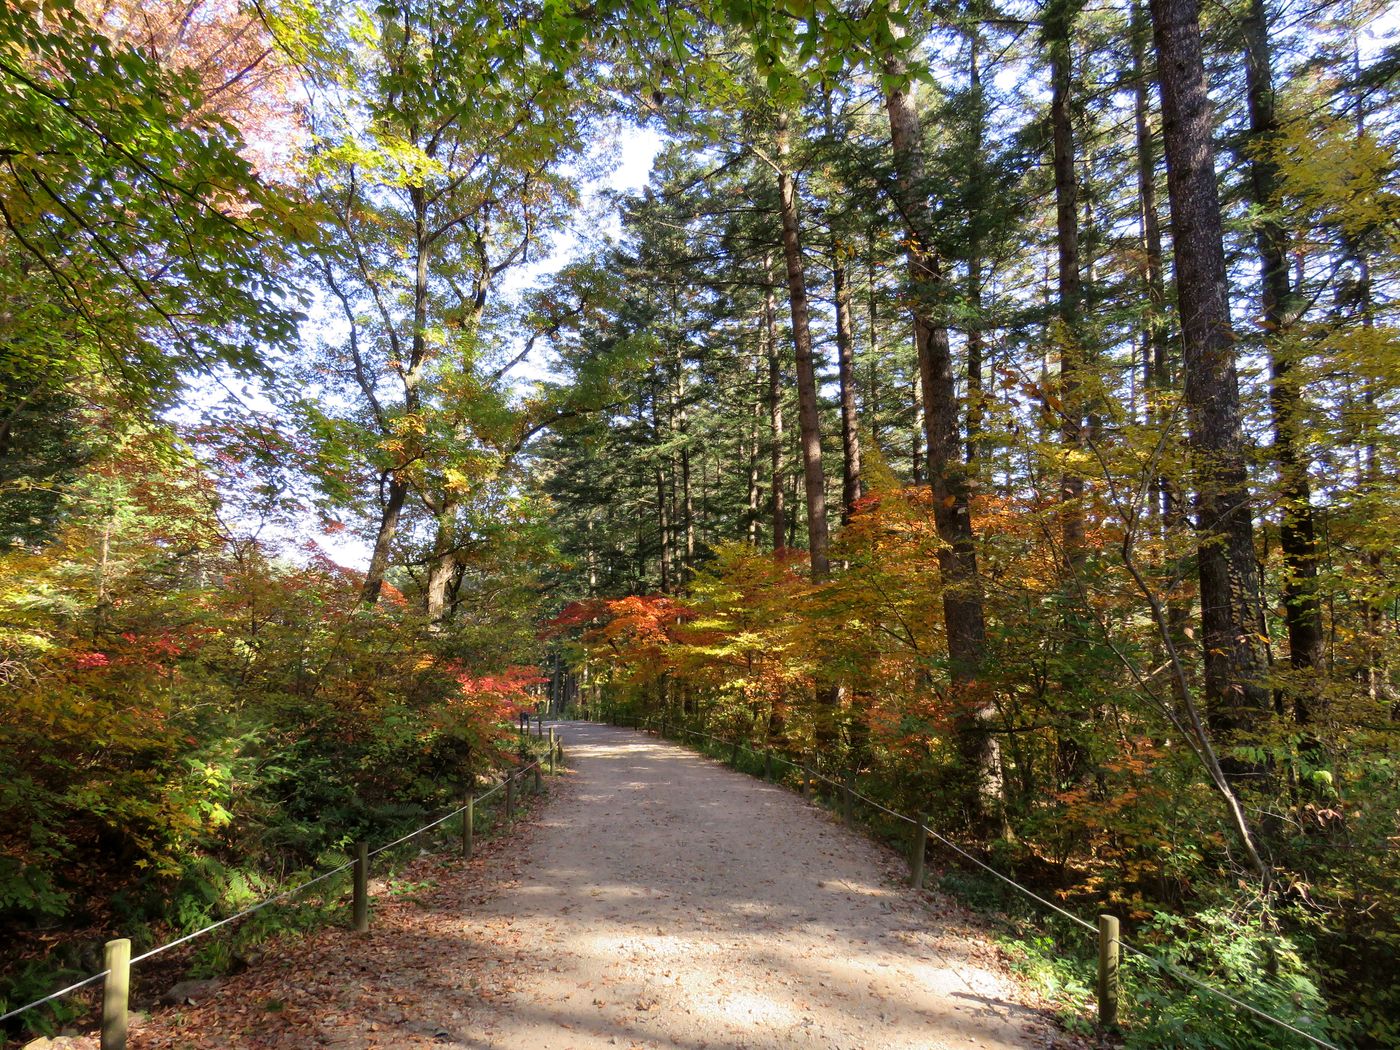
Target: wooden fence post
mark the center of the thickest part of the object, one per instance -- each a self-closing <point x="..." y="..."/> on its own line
<point x="116" y="988"/>
<point x="916" y="856"/>
<point x="553" y="743"/>
<point x="768" y="765"/>
<point x="510" y="797"/>
<point x="540" y="725"/>
<point x="559" y="750"/>
<point x="734" y="754"/>
<point x="539" y="787"/>
<point x="1108" y="970"/>
<point x="848" y="813"/>
<point x="360" y="908"/>
<point x="468" y="825"/>
<point x="806" y="779"/>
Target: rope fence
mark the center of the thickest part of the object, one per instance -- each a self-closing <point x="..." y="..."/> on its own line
<point x="1107" y="930"/>
<point x="117" y="953"/>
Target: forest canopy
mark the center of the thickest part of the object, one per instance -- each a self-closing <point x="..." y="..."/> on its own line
<point x="994" y="404"/>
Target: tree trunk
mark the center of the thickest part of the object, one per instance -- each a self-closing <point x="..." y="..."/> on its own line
<point x="751" y="524"/>
<point x="917" y="456"/>
<point x="680" y="425"/>
<point x="850" y="438"/>
<point x="814" y="479"/>
<point x="962" y="591"/>
<point x="640" y="564"/>
<point x="1302" y="608"/>
<point x="1231" y="621"/>
<point x="673" y="515"/>
<point x="975" y="357"/>
<point x="1059" y="23"/>
<point x="1071" y="753"/>
<point x="792" y="518"/>
<point x="872" y="406"/>
<point x="664" y="518"/>
<point x="704" y="528"/>
<point x="442" y="568"/>
<point x="1156" y="378"/>
<point x="102" y="607"/>
<point x="775" y="405"/>
<point x="687" y="503"/>
<point x="592" y="563"/>
<point x="688" y="508"/>
<point x="976" y="203"/>
<point x="389" y="515"/>
<point x="411" y="375"/>
<point x="663" y="526"/>
<point x="1375" y="672"/>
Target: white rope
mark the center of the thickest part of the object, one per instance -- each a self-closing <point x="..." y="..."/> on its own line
<point x="460" y="809"/>
<point x="54" y="995"/>
<point x="266" y="903"/>
<point x="181" y="940"/>
<point x="1184" y="976"/>
<point x="243" y="914"/>
<point x="414" y="834"/>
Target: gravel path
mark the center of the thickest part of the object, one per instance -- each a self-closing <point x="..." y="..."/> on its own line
<point x="666" y="901"/>
<point x="654" y="899"/>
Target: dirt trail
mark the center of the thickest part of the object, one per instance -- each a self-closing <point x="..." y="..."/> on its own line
<point x="656" y="899"/>
<point x="667" y="901"/>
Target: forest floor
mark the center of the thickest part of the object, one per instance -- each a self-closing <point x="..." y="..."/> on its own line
<point x="654" y="899"/>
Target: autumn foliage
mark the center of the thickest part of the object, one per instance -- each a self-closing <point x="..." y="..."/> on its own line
<point x="188" y="719"/>
<point x="1103" y="805"/>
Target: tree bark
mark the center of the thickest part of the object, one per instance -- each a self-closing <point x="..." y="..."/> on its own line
<point x="1156" y="367"/>
<point x="664" y="518"/>
<point x="962" y="591"/>
<point x="850" y="437"/>
<point x="442" y="567"/>
<point x="395" y="495"/>
<point x="792" y="518"/>
<point x="976" y="204"/>
<point x="872" y="407"/>
<point x="663" y="526"/>
<point x="687" y="506"/>
<point x="917" y="456"/>
<point x="1237" y="701"/>
<point x="592" y="565"/>
<point x="808" y="420"/>
<point x="1071" y="753"/>
<point x="1302" y="609"/>
<point x="751" y="524"/>
<point x="1059" y="23"/>
<point x="775" y="406"/>
<point x="411" y="375"/>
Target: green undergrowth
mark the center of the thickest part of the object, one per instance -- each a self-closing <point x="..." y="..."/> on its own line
<point x="1223" y="946"/>
<point x="214" y="892"/>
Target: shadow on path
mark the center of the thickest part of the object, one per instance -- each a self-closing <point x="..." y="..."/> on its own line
<point x="666" y="901"/>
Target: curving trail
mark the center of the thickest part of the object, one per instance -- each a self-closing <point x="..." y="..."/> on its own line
<point x="666" y="901"/>
<point x="657" y="900"/>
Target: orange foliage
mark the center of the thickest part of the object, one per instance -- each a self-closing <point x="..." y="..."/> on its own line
<point x="226" y="46"/>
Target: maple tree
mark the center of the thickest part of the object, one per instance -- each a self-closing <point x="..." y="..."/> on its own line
<point x="206" y="714"/>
